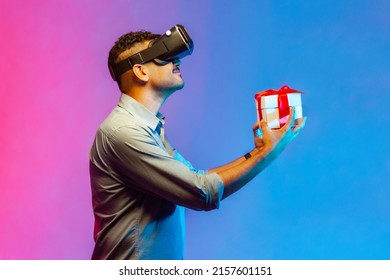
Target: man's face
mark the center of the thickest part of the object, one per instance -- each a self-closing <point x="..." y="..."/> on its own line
<point x="165" y="77"/>
<point x="162" y="77"/>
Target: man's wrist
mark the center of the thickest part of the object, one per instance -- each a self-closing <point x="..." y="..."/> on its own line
<point x="257" y="153"/>
<point x="252" y="153"/>
<point x="247" y="156"/>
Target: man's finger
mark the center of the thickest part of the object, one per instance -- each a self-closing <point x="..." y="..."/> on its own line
<point x="291" y="118"/>
<point x="298" y="124"/>
<point x="263" y="125"/>
<point x="255" y="126"/>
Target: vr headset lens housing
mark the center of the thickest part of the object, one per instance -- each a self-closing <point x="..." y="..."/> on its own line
<point x="174" y="44"/>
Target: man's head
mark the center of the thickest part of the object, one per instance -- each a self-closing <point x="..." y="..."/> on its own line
<point x="129" y="44"/>
<point x="161" y="75"/>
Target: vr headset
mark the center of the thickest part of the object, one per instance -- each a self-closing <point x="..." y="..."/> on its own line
<point x="174" y="44"/>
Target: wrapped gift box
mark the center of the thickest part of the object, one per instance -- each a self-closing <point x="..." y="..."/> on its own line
<point x="273" y="106"/>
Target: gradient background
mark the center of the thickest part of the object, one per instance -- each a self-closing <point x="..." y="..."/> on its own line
<point x="326" y="197"/>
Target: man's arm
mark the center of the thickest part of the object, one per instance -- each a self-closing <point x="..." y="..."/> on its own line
<point x="242" y="170"/>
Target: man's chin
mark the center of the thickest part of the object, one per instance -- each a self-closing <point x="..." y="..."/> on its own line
<point x="180" y="85"/>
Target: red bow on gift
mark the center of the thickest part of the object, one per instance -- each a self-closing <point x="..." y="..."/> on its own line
<point x="283" y="102"/>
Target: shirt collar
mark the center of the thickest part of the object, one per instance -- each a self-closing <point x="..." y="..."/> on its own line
<point x="140" y="112"/>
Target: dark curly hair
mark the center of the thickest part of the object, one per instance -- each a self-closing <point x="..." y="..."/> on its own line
<point x="127" y="41"/>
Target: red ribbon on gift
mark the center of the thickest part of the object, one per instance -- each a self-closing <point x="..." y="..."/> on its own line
<point x="283" y="105"/>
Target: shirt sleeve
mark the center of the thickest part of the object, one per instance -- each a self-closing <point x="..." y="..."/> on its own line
<point x="180" y="158"/>
<point x="137" y="161"/>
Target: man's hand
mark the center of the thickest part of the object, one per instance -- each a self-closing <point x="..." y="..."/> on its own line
<point x="268" y="145"/>
<point x="273" y="141"/>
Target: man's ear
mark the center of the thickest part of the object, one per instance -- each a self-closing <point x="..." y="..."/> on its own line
<point x="140" y="72"/>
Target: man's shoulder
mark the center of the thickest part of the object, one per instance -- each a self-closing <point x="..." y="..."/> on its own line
<point x="120" y="121"/>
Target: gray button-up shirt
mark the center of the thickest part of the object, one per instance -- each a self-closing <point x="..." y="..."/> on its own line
<point x="139" y="189"/>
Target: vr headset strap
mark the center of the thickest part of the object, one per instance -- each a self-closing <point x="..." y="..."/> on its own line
<point x="141" y="57"/>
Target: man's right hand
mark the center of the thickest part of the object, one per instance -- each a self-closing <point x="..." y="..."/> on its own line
<point x="271" y="142"/>
<point x="268" y="145"/>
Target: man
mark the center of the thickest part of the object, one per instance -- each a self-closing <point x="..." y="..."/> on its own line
<point x="140" y="184"/>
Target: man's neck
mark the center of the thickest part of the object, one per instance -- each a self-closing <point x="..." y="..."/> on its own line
<point x="151" y="100"/>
